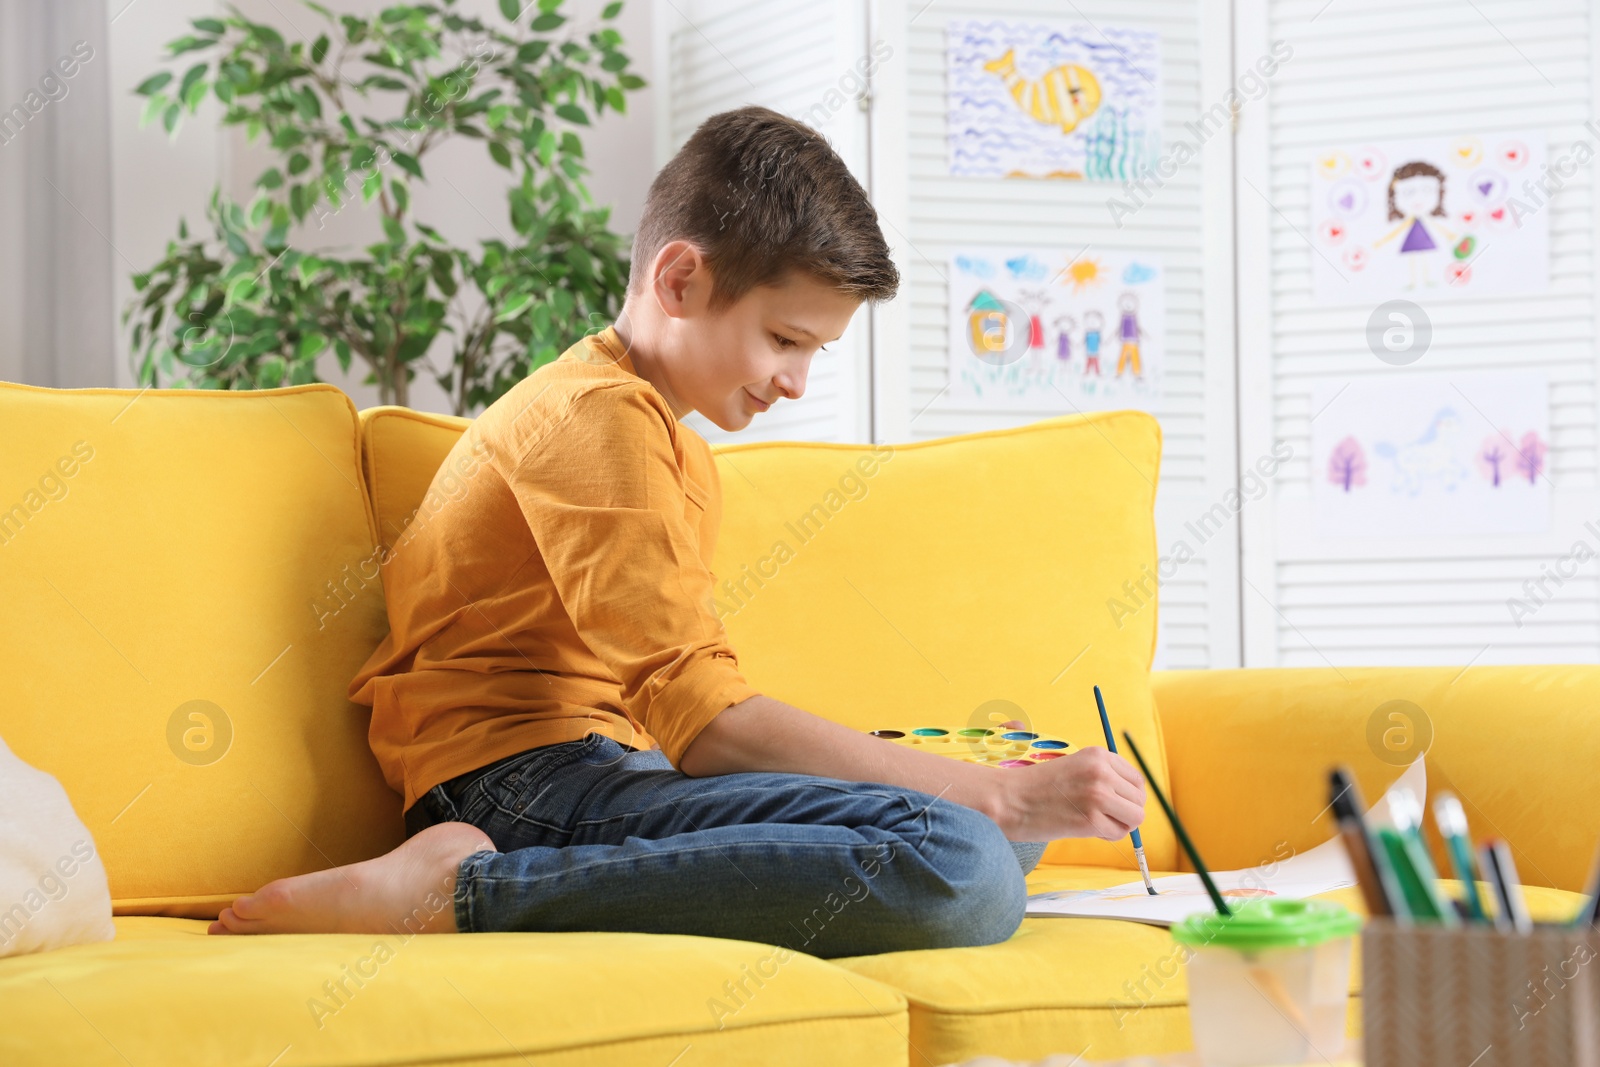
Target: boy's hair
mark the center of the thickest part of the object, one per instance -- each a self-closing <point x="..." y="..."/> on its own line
<point x="762" y="195"/>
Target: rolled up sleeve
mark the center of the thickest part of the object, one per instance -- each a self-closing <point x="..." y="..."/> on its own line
<point x="605" y="499"/>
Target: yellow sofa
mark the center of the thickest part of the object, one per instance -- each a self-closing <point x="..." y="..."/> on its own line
<point x="191" y="578"/>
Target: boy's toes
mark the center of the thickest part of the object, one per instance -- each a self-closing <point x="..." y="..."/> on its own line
<point x="225" y="923"/>
<point x="246" y="907"/>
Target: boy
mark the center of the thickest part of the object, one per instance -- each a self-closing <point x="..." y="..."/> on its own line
<point x="557" y="701"/>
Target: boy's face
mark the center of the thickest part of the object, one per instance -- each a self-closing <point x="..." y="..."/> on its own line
<point x="734" y="363"/>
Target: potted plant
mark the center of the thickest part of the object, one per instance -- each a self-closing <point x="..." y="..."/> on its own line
<point x="352" y="117"/>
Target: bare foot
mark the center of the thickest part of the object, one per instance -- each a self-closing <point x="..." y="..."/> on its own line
<point x="409" y="890"/>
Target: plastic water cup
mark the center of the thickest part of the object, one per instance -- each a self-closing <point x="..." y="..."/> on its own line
<point x="1268" y="984"/>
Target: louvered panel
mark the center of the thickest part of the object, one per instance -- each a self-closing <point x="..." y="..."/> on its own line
<point x="942" y="214"/>
<point x="723" y="54"/>
<point x="1358" y="75"/>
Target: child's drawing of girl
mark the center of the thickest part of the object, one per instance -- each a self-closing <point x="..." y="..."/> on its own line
<point x="1416" y="190"/>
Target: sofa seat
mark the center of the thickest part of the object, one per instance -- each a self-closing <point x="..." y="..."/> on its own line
<point x="1089" y="987"/>
<point x="165" y="992"/>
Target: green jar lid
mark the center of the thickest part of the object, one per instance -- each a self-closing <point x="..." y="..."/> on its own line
<point x="1269" y="923"/>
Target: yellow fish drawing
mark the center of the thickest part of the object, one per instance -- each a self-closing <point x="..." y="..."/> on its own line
<point x="1064" y="96"/>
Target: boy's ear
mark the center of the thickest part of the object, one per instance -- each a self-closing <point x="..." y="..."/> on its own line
<point x="680" y="278"/>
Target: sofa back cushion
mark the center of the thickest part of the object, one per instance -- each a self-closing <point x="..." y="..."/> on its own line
<point x="401" y="451"/>
<point x="183" y="577"/>
<point x="943" y="582"/>
<point x="935" y="583"/>
<point x="1517" y="744"/>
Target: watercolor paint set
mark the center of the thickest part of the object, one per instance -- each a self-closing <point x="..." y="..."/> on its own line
<point x="1008" y="744"/>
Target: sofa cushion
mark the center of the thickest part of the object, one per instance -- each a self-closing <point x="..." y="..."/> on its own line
<point x="182" y="572"/>
<point x="942" y="582"/>
<point x="164" y="992"/>
<point x="401" y="451"/>
<point x="1516" y="744"/>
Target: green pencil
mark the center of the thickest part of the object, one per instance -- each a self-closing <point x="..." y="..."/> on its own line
<point x="1177" y="828"/>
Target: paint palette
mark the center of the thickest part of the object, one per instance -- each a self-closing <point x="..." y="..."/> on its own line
<point x="1008" y="744"/>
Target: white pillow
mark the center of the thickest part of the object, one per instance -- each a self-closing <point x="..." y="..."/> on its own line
<point x="53" y="889"/>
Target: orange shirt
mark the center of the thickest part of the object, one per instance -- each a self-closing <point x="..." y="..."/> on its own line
<point x="562" y="587"/>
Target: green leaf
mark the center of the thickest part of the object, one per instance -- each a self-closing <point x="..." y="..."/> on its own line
<point x="546" y="22"/>
<point x="611" y="10"/>
<point x="370" y="186"/>
<point x="214" y="27"/>
<point x="169" y="118"/>
<point x="193" y="95"/>
<point x="614" y="61"/>
<point x="298" y="163"/>
<point x="190" y="76"/>
<point x="189" y="44"/>
<point x="319" y="49"/>
<point x="311" y="345"/>
<point x="630" y="81"/>
<point x="510" y="9"/>
<point x="408" y="163"/>
<point x="573" y="113"/>
<point x="307" y="104"/>
<point x="152" y="108"/>
<point x="402" y="195"/>
<point x="500" y="154"/>
<point x="515" y="305"/>
<point x="396" y="234"/>
<point x="152" y="83"/>
<point x="271" y="178"/>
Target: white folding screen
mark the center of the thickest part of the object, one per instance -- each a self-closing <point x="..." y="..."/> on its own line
<point x="799" y="58"/>
<point x="1187" y="221"/>
<point x="1367" y="70"/>
<point x="796" y="56"/>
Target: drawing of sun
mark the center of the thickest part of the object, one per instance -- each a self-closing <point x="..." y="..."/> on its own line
<point x="1082" y="273"/>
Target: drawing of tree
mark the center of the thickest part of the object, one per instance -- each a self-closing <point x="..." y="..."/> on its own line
<point x="1495" y="456"/>
<point x="1347" y="465"/>
<point x="1530" y="456"/>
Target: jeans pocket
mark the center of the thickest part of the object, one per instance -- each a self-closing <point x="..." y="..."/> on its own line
<point x="513" y="787"/>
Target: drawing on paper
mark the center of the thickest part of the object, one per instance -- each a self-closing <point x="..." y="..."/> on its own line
<point x="1432" y="455"/>
<point x="1417" y="218"/>
<point x="1051" y="100"/>
<point x="1031" y="329"/>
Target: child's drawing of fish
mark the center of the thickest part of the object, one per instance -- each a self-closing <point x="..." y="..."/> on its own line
<point x="1063" y="96"/>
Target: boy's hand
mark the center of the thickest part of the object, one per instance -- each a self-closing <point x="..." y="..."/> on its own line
<point x="1090" y="793"/>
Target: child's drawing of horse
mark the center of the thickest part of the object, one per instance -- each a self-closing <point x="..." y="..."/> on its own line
<point x="1433" y="457"/>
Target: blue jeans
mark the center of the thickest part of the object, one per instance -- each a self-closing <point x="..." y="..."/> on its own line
<point x="593" y="835"/>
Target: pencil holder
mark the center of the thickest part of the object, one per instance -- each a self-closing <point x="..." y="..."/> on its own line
<point x="1436" y="996"/>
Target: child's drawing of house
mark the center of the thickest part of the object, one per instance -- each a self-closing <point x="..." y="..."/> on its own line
<point x="987" y="324"/>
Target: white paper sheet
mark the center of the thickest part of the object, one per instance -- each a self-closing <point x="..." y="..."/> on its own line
<point x="1431" y="455"/>
<point x="1072" y="101"/>
<point x="1319" y="870"/>
<point x="1431" y="218"/>
<point x="1033" y="328"/>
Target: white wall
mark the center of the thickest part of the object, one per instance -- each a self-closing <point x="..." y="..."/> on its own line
<point x="157" y="180"/>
